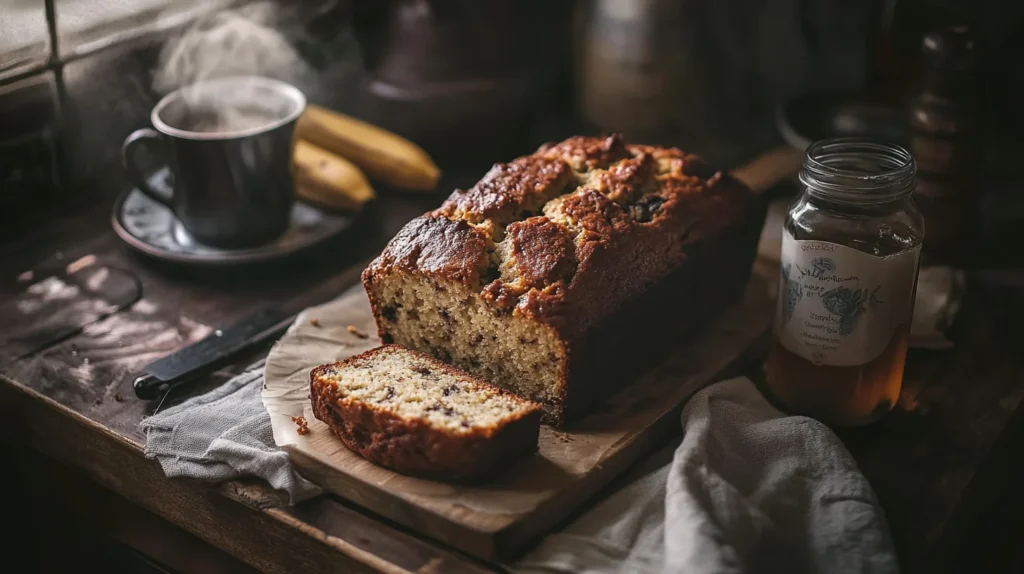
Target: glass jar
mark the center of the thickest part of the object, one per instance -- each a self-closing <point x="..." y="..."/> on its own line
<point x="850" y="252"/>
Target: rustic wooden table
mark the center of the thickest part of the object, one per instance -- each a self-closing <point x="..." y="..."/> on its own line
<point x="944" y="466"/>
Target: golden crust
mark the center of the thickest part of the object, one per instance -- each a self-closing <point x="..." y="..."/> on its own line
<point x="509" y="188"/>
<point x="587" y="153"/>
<point x="437" y="246"/>
<point x="634" y="200"/>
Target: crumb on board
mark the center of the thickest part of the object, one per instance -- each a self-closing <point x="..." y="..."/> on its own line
<point x="302" y="424"/>
<point x="314" y="322"/>
<point x="119" y="398"/>
<point x="80" y="263"/>
<point x="434" y="566"/>
<point x="355" y="331"/>
<point x="561" y="436"/>
<point x="97" y="402"/>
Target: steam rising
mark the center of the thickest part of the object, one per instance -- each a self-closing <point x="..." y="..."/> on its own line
<point x="230" y="43"/>
<point x="239" y="42"/>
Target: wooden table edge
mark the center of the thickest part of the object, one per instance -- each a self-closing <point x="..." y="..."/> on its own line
<point x="134" y="449"/>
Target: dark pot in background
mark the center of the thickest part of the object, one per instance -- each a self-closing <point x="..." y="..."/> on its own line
<point x="460" y="78"/>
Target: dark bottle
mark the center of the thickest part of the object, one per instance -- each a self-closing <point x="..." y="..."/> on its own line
<point x="944" y="138"/>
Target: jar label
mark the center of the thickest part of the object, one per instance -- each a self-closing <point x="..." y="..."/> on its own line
<point x="839" y="306"/>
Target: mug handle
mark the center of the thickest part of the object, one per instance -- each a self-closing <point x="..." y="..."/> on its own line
<point x="141" y="137"/>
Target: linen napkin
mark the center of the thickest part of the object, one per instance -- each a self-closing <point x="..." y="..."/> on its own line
<point x="746" y="489"/>
<point x="224" y="434"/>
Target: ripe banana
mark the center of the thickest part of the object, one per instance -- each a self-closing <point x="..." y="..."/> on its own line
<point x="383" y="155"/>
<point x="322" y="177"/>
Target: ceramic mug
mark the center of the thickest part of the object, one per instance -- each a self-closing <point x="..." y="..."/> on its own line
<point x="228" y="143"/>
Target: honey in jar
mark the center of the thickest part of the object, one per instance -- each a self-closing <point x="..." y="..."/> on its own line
<point x="848" y="272"/>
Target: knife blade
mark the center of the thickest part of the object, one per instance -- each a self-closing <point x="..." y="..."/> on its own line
<point x="211" y="353"/>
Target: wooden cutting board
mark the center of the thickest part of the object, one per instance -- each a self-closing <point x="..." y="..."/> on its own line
<point x="500" y="519"/>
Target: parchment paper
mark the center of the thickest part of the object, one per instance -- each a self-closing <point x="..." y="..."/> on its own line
<point x="320" y="335"/>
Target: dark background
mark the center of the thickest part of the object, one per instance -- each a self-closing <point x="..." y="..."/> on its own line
<point x="51" y="163"/>
<point x="69" y="162"/>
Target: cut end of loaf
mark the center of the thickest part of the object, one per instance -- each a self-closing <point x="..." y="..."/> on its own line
<point x="453" y="323"/>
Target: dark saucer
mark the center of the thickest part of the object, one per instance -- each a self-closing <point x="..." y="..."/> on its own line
<point x="153" y="229"/>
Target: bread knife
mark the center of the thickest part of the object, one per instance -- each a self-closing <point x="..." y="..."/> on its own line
<point x="209" y="354"/>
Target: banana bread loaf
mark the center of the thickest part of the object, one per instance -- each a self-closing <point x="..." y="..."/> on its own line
<point x="561" y="275"/>
<point x="415" y="415"/>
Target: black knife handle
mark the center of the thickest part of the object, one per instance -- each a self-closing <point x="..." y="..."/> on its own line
<point x="208" y="354"/>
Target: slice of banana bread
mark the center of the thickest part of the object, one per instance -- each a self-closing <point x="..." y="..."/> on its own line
<point x="416" y="415"/>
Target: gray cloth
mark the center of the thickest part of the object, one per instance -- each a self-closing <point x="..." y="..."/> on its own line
<point x="221" y="435"/>
<point x="748" y="489"/>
